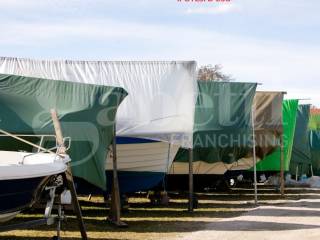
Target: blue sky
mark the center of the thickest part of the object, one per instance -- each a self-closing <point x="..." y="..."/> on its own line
<point x="273" y="42"/>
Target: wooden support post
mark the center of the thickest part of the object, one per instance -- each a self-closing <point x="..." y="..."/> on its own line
<point x="115" y="208"/>
<point x="190" y="209"/>
<point x="254" y="159"/>
<point x="68" y="175"/>
<point x="282" y="185"/>
<point x="75" y="203"/>
<point x="311" y="170"/>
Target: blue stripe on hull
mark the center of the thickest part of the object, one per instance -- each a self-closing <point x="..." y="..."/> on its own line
<point x="17" y="194"/>
<point x="132" y="140"/>
<point x="130" y="182"/>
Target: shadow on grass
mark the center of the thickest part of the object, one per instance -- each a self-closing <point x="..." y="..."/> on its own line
<point x="183" y="206"/>
<point x="184" y="227"/>
<point x="146" y="218"/>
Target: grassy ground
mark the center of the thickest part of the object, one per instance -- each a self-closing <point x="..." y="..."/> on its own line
<point x="155" y="222"/>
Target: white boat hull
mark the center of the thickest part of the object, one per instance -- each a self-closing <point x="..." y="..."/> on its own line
<point x="22" y="178"/>
<point x="142" y="164"/>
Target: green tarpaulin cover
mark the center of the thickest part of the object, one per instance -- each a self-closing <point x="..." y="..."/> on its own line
<point x="301" y="156"/>
<point x="315" y="150"/>
<point x="314" y="139"/>
<point x="222" y="121"/>
<point x="272" y="161"/>
<point x="87" y="114"/>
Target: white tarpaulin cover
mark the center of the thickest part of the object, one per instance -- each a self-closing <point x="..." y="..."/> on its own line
<point x="161" y="99"/>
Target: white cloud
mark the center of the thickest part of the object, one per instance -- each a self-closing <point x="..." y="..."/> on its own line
<point x="218" y="8"/>
<point x="278" y="65"/>
<point x="46" y="33"/>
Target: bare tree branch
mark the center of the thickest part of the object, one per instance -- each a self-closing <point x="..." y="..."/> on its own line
<point x="212" y="73"/>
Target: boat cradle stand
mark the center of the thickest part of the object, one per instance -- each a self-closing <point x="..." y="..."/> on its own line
<point x="48" y="218"/>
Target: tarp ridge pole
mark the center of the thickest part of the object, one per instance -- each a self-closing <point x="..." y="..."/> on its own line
<point x="68" y="174"/>
<point x="190" y="180"/>
<point x="282" y="185"/>
<point x="254" y="158"/>
<point x="167" y="169"/>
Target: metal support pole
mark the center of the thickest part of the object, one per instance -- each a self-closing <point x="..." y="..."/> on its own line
<point x="311" y="170"/>
<point x="59" y="221"/>
<point x="297" y="172"/>
<point x="40" y="144"/>
<point x="282" y="186"/>
<point x="190" y="180"/>
<point x="254" y="159"/>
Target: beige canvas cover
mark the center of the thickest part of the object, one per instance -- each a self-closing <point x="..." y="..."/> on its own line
<point x="267" y="108"/>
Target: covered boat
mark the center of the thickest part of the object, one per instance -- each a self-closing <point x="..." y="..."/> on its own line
<point x="270" y="164"/>
<point x="86" y="112"/>
<point x="301" y="161"/>
<point x="152" y="122"/>
<point x="314" y="139"/>
<point x="268" y="128"/>
<point x="222" y="133"/>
